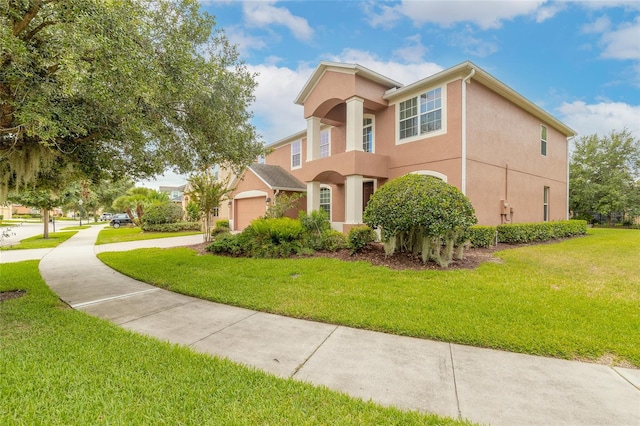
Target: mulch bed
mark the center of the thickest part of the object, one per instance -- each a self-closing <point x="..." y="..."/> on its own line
<point x="374" y="254"/>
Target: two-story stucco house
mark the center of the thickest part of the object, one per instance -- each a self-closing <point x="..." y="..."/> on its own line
<point x="461" y="125"/>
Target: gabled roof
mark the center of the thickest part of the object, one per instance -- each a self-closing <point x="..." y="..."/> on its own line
<point x="470" y="70"/>
<point x="345" y="68"/>
<point x="277" y="178"/>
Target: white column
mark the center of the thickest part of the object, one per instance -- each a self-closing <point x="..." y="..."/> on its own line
<point x="353" y="199"/>
<point x="313" y="196"/>
<point x="355" y="112"/>
<point x="313" y="138"/>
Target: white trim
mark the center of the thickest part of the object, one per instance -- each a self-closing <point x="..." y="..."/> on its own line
<point x="443" y="117"/>
<point x="250" y="194"/>
<point x="463" y="160"/>
<point x="373" y="131"/>
<point x="323" y="186"/>
<point x="291" y="154"/>
<point x="433" y="173"/>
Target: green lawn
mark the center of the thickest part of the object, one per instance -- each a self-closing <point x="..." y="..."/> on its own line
<point x="37" y="242"/>
<point x="124" y="234"/>
<point x="576" y="299"/>
<point x="59" y="366"/>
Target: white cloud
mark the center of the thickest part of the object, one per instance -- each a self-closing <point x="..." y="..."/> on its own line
<point x="245" y="42"/>
<point x="276" y="115"/>
<point x="623" y="43"/>
<point x="601" y="118"/>
<point x="413" y="50"/>
<point x="600" y="25"/>
<point x="472" y="45"/>
<point x="548" y="12"/>
<point x="263" y="14"/>
<point x="386" y="16"/>
<point x="485" y="14"/>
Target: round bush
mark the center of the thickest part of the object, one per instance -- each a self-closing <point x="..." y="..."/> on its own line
<point x="421" y="214"/>
<point x="157" y="214"/>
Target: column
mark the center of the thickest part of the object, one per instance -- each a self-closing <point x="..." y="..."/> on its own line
<point x="313" y="138"/>
<point x="313" y="196"/>
<point x="355" y="112"/>
<point x="353" y="199"/>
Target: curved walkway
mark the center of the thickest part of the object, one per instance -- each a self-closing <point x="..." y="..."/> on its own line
<point x="482" y="385"/>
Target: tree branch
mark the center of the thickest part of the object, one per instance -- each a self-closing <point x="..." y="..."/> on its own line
<point x="20" y="26"/>
<point x="40" y="27"/>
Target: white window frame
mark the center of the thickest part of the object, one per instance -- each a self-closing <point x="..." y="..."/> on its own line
<point x="416" y="112"/>
<point x="543" y="140"/>
<point x="325" y="189"/>
<point x="545" y="204"/>
<point x="372" y="125"/>
<point x="296" y="154"/>
<point x="325" y="143"/>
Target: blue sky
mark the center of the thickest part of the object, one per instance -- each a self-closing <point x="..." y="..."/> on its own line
<point x="580" y="61"/>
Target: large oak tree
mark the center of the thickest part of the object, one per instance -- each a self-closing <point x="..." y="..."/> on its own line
<point x="118" y="88"/>
<point x="604" y="175"/>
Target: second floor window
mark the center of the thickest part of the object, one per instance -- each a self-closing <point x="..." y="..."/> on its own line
<point x="325" y="146"/>
<point x="543" y="140"/>
<point x="296" y="154"/>
<point x="367" y="135"/>
<point x="421" y="115"/>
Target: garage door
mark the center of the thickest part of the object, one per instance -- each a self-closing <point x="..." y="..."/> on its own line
<point x="248" y="209"/>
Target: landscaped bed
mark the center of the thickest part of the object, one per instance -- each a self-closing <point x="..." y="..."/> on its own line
<point x="575" y="299"/>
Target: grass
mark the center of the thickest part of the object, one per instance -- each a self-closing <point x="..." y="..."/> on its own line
<point x="60" y="366"/>
<point x="577" y="299"/>
<point x="38" y="242"/>
<point x="125" y="234"/>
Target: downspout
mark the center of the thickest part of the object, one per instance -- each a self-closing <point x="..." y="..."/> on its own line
<point x="465" y="81"/>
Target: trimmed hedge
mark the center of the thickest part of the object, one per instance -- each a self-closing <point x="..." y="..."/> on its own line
<point x="518" y="233"/>
<point x="172" y="227"/>
<point x="482" y="236"/>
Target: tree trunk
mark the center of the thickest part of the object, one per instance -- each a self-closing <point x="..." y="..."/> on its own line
<point x="45" y="219"/>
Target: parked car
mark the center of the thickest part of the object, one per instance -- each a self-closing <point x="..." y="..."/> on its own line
<point x="106" y="216"/>
<point x="120" y="219"/>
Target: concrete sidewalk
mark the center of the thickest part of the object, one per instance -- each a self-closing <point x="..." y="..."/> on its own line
<point x="482" y="385"/>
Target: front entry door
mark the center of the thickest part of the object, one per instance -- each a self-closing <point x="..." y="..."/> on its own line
<point x="367" y="191"/>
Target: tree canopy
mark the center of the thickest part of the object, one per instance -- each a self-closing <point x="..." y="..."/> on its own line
<point x="119" y="88"/>
<point x="604" y="175"/>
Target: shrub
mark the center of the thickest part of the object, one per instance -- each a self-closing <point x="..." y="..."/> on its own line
<point x="421" y="214"/>
<point x="171" y="227"/>
<point x="482" y="236"/>
<point x="162" y="213"/>
<point x="222" y="226"/>
<point x="333" y="240"/>
<point x="226" y="243"/>
<point x="223" y="223"/>
<point x="519" y="233"/>
<point x="315" y="222"/>
<point x="193" y="212"/>
<point x="359" y="237"/>
<point x="279" y="230"/>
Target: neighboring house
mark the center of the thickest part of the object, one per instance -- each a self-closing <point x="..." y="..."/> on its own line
<point x="175" y="193"/>
<point x="461" y="125"/>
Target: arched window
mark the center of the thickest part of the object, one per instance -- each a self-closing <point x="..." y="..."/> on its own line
<point x="325" y="200"/>
<point x="367" y="133"/>
<point x="430" y="173"/>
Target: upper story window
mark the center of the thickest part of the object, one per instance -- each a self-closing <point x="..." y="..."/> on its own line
<point x="421" y="115"/>
<point x="367" y="134"/>
<point x="325" y="143"/>
<point x="543" y="140"/>
<point x="296" y="154"/>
